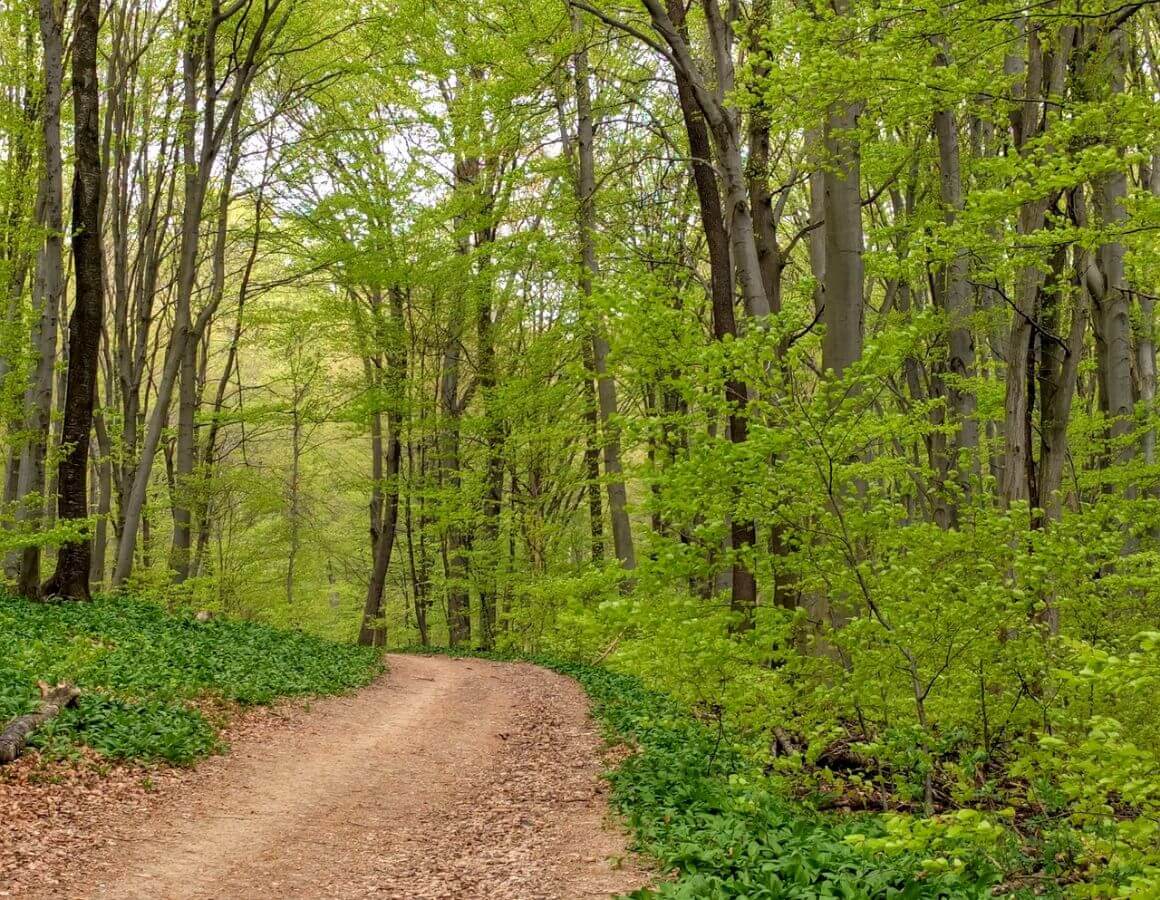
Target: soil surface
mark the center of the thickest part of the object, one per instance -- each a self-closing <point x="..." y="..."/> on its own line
<point x="453" y="779"/>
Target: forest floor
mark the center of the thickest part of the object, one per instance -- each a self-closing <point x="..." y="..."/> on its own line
<point x="446" y="778"/>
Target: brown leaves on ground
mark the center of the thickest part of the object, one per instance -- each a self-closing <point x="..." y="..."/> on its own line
<point x="55" y="811"/>
<point x="446" y="779"/>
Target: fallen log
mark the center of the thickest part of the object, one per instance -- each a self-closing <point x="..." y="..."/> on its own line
<point x="15" y="735"/>
<point x="784" y="744"/>
<point x="841" y="755"/>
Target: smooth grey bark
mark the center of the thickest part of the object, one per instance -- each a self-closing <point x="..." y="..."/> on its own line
<point x="455" y="544"/>
<point x="590" y="272"/>
<point x="487" y="374"/>
<point x="452" y="404"/>
<point x="137" y="277"/>
<point x="195" y="181"/>
<point x="189" y="398"/>
<point x="104" y="499"/>
<point x="294" y="491"/>
<point x="769" y="253"/>
<point x="46" y="294"/>
<point x="588" y="390"/>
<point x="592" y="457"/>
<point x="742" y="582"/>
<point x="956" y="296"/>
<point x="1146" y="342"/>
<point x="1114" y="335"/>
<point x="817" y="235"/>
<point x="724" y="126"/>
<point x="842" y="282"/>
<point x="418" y="563"/>
<point x="372" y="376"/>
<point x="1058" y="375"/>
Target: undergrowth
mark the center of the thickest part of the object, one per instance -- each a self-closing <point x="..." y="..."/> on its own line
<point x="144" y="672"/>
<point x="705" y="812"/>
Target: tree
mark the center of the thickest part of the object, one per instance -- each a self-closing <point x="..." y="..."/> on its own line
<point x="47" y="292"/>
<point x="71" y="578"/>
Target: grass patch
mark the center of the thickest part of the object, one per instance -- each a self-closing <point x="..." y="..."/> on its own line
<point x="141" y="669"/>
<point x="704" y="811"/>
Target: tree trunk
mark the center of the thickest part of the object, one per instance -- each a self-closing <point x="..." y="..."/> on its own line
<point x="761" y="201"/>
<point x="46" y="296"/>
<point x="842" y="285"/>
<point x="1114" y="308"/>
<point x="71" y="579"/>
<point x="743" y="584"/>
<point x="419" y="579"/>
<point x="199" y="159"/>
<point x="1020" y="477"/>
<point x="592" y="457"/>
<point x="294" y="492"/>
<point x="373" y="632"/>
<point x="589" y="272"/>
<point x="954" y="290"/>
<point x="723" y="126"/>
<point x="494" y="441"/>
<point x="104" y="502"/>
<point x="1059" y="370"/>
<point x="1146" y="344"/>
<point x="209" y="450"/>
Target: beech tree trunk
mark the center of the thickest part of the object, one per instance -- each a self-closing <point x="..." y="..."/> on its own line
<point x="1020" y="474"/>
<point x="494" y="441"/>
<point x="592" y="457"/>
<point x="743" y="584"/>
<point x="71" y="579"/>
<point x="723" y="125"/>
<point x="46" y="296"/>
<point x="373" y="631"/>
<point x="842" y="285"/>
<point x="588" y="384"/>
<point x="589" y="272"/>
<point x="1059" y="370"/>
<point x="769" y="257"/>
<point x="1146" y="344"/>
<point x="103" y="474"/>
<point x="1114" y="335"/>
<point x="956" y="297"/>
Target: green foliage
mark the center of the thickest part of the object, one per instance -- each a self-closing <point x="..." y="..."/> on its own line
<point x="700" y="805"/>
<point x="1040" y="752"/>
<point x="143" y="671"/>
<point x="989" y="667"/>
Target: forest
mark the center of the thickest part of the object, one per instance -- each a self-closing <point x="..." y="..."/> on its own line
<point x="785" y="366"/>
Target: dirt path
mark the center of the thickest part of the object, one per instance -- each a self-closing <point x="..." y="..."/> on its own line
<point x="445" y="779"/>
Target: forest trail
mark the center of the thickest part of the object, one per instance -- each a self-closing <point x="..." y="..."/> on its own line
<point x="444" y="779"/>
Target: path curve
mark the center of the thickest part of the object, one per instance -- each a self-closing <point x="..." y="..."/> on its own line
<point x="446" y="778"/>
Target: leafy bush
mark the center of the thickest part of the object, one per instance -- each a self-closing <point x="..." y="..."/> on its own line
<point x="703" y="808"/>
<point x="141" y="669"/>
<point x="700" y="806"/>
<point x="991" y="686"/>
<point x="1041" y="751"/>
